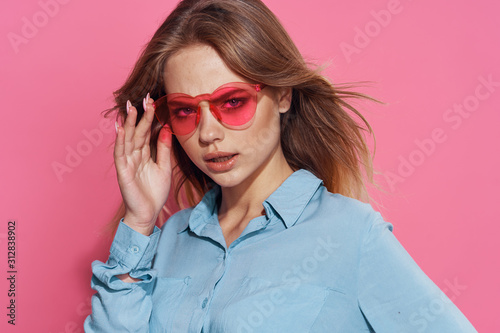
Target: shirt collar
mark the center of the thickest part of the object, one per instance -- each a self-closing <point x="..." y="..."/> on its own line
<point x="287" y="201"/>
<point x="292" y="196"/>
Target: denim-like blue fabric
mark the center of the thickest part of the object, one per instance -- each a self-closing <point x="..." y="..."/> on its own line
<point x="316" y="262"/>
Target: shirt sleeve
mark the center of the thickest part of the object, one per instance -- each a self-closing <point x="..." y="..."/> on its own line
<point x="395" y="295"/>
<point x="120" y="306"/>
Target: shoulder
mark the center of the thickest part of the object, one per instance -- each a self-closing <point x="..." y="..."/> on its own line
<point x="343" y="214"/>
<point x="340" y="205"/>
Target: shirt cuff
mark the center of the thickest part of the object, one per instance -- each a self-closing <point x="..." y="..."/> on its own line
<point x="133" y="249"/>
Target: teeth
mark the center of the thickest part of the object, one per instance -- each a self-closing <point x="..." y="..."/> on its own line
<point x="221" y="159"/>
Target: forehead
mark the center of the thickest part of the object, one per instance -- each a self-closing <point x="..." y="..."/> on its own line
<point x="196" y="70"/>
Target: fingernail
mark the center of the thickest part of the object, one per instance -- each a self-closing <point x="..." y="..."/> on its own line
<point x="144" y="104"/>
<point x="116" y="127"/>
<point x="128" y="106"/>
<point x="147" y="98"/>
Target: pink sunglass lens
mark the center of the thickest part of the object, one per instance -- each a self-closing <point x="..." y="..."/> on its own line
<point x="183" y="113"/>
<point x="236" y="106"/>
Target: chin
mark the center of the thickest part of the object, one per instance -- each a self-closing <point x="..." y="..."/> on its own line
<point x="226" y="179"/>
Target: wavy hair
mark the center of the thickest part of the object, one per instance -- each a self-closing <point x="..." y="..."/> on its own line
<point x="321" y="132"/>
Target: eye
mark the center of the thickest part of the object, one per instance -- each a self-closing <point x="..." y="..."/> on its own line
<point x="234" y="103"/>
<point x="183" y="112"/>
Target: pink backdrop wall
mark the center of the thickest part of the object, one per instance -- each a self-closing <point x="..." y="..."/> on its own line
<point x="434" y="63"/>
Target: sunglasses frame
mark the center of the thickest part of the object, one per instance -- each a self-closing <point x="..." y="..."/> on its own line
<point x="205" y="97"/>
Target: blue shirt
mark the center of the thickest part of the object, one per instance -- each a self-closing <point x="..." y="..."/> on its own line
<point x="316" y="262"/>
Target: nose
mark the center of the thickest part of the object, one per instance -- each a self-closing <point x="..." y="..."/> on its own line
<point x="210" y="129"/>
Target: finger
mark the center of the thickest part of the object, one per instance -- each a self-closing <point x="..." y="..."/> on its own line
<point x="146" y="152"/>
<point x="119" y="150"/>
<point x="129" y="128"/>
<point x="150" y="105"/>
<point x="144" y="125"/>
<point x="148" y="139"/>
<point x="163" y="148"/>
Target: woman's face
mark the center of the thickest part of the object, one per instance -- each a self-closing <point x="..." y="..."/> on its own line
<point x="247" y="152"/>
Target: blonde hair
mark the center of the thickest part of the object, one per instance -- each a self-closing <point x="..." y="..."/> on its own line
<point x="318" y="133"/>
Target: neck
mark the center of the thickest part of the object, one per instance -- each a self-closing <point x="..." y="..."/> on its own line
<point x="246" y="198"/>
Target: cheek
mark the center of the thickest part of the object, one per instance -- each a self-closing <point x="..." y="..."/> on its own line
<point x="264" y="134"/>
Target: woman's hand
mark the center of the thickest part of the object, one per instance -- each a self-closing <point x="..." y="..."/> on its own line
<point x="144" y="184"/>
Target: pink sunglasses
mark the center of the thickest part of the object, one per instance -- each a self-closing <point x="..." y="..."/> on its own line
<point x="233" y="104"/>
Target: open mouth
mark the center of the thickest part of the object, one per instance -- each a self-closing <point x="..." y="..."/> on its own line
<point x="222" y="159"/>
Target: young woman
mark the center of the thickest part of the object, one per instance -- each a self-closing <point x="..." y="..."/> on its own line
<point x="279" y="241"/>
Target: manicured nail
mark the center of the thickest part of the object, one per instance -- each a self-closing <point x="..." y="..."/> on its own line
<point x="116" y="127"/>
<point x="144" y="104"/>
<point x="129" y="105"/>
<point x="147" y="98"/>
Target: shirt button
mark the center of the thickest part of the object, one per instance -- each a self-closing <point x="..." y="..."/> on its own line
<point x="204" y="303"/>
<point x="133" y="249"/>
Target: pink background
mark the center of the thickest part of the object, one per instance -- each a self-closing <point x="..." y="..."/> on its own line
<point x="424" y="59"/>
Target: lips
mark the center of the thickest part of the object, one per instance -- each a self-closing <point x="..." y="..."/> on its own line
<point x="218" y="156"/>
<point x="220" y="161"/>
